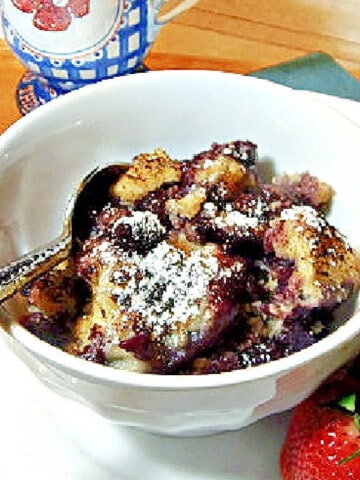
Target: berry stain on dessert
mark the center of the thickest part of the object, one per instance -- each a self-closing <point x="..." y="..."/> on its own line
<point x="197" y="266"/>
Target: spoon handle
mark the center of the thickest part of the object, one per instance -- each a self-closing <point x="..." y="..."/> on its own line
<point x="15" y="275"/>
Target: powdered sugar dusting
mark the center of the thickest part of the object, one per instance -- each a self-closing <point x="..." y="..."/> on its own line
<point x="236" y="219"/>
<point x="167" y="286"/>
<point x="308" y="214"/>
<point x="231" y="218"/>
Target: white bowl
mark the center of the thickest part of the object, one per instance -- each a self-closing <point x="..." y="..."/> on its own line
<point x="45" y="155"/>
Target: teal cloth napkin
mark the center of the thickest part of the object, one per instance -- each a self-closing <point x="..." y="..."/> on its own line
<point x="317" y="72"/>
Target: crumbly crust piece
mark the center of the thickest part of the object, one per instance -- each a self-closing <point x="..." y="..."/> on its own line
<point x="187" y="206"/>
<point x="327" y="270"/>
<point x="148" y="173"/>
<point x="52" y="294"/>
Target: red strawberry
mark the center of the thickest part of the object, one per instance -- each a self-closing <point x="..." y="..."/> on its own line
<point x="323" y="438"/>
<point x="27" y="6"/>
<point x="52" y="18"/>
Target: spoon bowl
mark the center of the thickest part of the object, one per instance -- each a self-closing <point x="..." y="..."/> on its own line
<point x="90" y="196"/>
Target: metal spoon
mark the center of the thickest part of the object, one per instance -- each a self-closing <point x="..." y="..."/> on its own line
<point x="91" y="195"/>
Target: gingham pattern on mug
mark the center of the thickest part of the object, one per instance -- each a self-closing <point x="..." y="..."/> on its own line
<point x="121" y="54"/>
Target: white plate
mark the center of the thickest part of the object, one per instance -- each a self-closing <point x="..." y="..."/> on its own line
<point x="33" y="443"/>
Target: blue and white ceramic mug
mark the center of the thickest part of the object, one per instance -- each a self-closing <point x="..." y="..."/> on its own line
<point x="66" y="44"/>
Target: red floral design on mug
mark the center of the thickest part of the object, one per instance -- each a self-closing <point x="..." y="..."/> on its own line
<point x="53" y="15"/>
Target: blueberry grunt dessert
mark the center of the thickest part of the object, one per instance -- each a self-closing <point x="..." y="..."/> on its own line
<point x="196" y="267"/>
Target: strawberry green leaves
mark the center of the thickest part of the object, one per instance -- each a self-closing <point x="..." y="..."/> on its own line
<point x="349" y="404"/>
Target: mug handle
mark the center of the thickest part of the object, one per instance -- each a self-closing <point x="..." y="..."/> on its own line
<point x="181" y="7"/>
